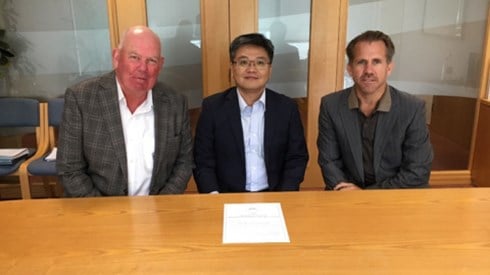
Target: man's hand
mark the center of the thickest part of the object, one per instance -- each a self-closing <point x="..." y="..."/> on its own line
<point x="346" y="186"/>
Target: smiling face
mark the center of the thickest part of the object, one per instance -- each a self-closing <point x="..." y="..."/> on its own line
<point x="253" y="76"/>
<point x="137" y="61"/>
<point x="369" y="68"/>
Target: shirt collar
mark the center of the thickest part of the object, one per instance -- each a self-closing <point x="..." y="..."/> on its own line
<point x="384" y="104"/>
<point x="242" y="104"/>
<point x="146" y="106"/>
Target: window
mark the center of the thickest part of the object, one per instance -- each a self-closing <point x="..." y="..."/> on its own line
<point x="68" y="43"/>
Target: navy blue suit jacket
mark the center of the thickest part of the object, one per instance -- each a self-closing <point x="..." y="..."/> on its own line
<point x="219" y="147"/>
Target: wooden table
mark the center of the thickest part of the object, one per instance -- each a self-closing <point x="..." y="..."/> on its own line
<point x="432" y="231"/>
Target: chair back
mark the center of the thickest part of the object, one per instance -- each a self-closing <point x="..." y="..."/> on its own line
<point x="55" y="111"/>
<point x="19" y="112"/>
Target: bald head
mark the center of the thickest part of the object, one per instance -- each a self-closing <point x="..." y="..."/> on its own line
<point x="139" y="33"/>
<point x="137" y="60"/>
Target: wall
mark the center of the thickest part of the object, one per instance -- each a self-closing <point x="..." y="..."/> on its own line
<point x="480" y="172"/>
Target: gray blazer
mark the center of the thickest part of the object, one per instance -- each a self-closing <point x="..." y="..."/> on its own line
<point x="402" y="150"/>
<point x="91" y="159"/>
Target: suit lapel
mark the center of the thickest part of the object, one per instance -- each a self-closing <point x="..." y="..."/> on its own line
<point x="350" y="120"/>
<point x="384" y="127"/>
<point x="232" y="112"/>
<point x="108" y="100"/>
<point x="269" y="125"/>
<point x="161" y="109"/>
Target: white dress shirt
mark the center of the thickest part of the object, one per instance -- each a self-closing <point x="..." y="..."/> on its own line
<point x="253" y="136"/>
<point x="139" y="138"/>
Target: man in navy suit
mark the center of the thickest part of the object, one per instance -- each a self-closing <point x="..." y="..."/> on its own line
<point x="371" y="135"/>
<point x="249" y="138"/>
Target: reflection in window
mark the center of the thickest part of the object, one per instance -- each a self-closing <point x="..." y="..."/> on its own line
<point x="451" y="63"/>
<point x="287" y="24"/>
<point x="57" y="43"/>
<point x="178" y="25"/>
<point x="439" y="45"/>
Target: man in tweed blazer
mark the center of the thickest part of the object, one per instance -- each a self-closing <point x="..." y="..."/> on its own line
<point x="124" y="133"/>
<point x="372" y="135"/>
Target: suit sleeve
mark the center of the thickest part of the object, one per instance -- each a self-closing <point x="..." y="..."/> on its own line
<point x="204" y="152"/>
<point x="70" y="158"/>
<point x="297" y="154"/>
<point x="329" y="152"/>
<point x="417" y="156"/>
<point x="182" y="167"/>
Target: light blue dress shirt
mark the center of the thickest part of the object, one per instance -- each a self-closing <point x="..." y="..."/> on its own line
<point x="253" y="136"/>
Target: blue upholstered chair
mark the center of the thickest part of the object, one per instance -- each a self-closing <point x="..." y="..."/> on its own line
<point x="40" y="166"/>
<point x="23" y="113"/>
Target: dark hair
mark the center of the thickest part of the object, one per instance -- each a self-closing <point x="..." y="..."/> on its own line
<point x="255" y="39"/>
<point x="371" y="36"/>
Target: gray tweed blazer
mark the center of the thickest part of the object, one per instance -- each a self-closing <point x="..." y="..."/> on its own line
<point x="91" y="159"/>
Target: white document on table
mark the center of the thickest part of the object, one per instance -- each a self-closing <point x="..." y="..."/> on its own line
<point x="254" y="223"/>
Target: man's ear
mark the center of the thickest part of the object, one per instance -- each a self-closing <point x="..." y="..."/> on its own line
<point x="115" y="57"/>
<point x="349" y="69"/>
<point x="390" y="68"/>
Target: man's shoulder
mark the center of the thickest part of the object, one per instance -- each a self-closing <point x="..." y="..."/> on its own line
<point x="88" y="83"/>
<point x="278" y="97"/>
<point x="336" y="96"/>
<point x="90" y="89"/>
<point x="163" y="90"/>
<point x="403" y="97"/>
<point x="220" y="97"/>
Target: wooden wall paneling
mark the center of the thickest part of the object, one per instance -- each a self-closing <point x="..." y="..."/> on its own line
<point x="453" y="178"/>
<point x="215" y="37"/>
<point x="342" y="43"/>
<point x="112" y="17"/>
<point x="453" y="117"/>
<point x="484" y="79"/>
<point x="123" y="14"/>
<point x="244" y="17"/>
<point x="327" y="42"/>
<point x="480" y="171"/>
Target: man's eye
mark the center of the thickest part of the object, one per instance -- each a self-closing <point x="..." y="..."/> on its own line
<point x="243" y="62"/>
<point x="152" y="61"/>
<point x="260" y="63"/>
<point x="134" y="57"/>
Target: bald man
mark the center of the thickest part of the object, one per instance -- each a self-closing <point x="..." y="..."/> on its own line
<point x="124" y="133"/>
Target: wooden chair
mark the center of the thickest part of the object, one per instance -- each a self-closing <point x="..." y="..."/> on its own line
<point x="19" y="113"/>
<point x="41" y="167"/>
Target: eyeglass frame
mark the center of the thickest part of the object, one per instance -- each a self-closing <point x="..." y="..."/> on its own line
<point x="244" y="63"/>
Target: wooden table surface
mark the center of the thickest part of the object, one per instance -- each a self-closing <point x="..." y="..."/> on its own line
<point x="432" y="231"/>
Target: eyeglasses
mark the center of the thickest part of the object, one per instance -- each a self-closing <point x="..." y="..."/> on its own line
<point x="260" y="64"/>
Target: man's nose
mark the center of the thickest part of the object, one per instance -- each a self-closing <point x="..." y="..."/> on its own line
<point x="143" y="66"/>
<point x="251" y="65"/>
<point x="369" y="68"/>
